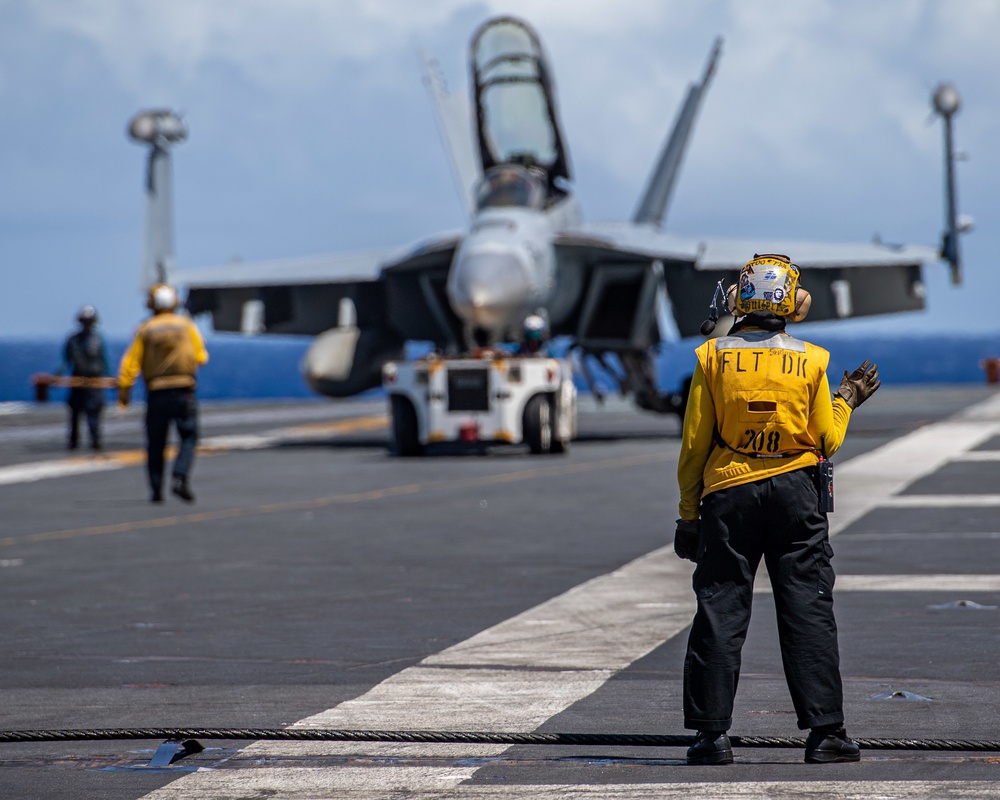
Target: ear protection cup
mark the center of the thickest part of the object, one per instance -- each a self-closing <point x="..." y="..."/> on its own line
<point x="803" y="302"/>
<point x="731" y="300"/>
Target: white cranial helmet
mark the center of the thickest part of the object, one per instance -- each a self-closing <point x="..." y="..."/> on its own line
<point x="162" y="297"/>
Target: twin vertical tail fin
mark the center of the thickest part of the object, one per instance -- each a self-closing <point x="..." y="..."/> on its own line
<point x="653" y="207"/>
<point x="453" y="116"/>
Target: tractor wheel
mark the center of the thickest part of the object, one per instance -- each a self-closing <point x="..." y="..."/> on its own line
<point x="538" y="424"/>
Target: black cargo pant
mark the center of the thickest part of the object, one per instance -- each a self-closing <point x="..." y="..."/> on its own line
<point x="164" y="406"/>
<point x="778" y="519"/>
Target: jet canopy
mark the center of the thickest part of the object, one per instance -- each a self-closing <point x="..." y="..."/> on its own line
<point x="514" y="101"/>
<point x="510" y="186"/>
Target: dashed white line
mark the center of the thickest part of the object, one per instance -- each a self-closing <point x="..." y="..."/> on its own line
<point x="103" y="462"/>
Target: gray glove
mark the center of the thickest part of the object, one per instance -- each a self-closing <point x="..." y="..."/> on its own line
<point x="859" y="385"/>
<point x="686" y="538"/>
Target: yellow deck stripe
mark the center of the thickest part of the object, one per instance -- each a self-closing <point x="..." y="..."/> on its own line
<point x="342" y="499"/>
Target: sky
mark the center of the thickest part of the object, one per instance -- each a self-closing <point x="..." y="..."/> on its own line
<point x="310" y="130"/>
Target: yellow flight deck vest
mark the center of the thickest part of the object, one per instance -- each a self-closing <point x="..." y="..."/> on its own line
<point x="167" y="350"/>
<point x="759" y="406"/>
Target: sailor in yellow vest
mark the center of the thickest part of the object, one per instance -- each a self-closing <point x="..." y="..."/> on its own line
<point x="758" y="429"/>
<point x="167" y="350"/>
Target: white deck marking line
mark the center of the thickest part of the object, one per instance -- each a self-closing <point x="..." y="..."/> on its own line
<point x="491" y="681"/>
<point x="978" y="455"/>
<point x="43" y="470"/>
<point x="80" y="465"/>
<point x="867" y="481"/>
<point x="943" y="501"/>
<point x="591" y="632"/>
<point x="918" y="583"/>
<point x="350" y="783"/>
<point x="488" y="682"/>
<point x="904" y="583"/>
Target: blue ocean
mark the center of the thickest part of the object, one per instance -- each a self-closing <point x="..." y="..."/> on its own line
<point x="267" y="367"/>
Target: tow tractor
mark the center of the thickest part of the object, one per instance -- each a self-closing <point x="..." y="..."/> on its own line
<point x="486" y="397"/>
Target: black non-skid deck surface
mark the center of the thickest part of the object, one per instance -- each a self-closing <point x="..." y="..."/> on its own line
<point x="313" y="566"/>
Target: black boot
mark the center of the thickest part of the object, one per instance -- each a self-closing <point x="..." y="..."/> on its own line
<point x="181" y="489"/>
<point x="825" y="746"/>
<point x="710" y="747"/>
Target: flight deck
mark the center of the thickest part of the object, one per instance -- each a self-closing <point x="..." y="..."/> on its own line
<point x="319" y="582"/>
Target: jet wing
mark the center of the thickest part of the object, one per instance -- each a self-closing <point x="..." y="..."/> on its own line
<point x="615" y="267"/>
<point x="845" y="280"/>
<point x="288" y="271"/>
<point x="395" y="290"/>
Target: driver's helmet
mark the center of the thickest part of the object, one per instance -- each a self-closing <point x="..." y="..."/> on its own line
<point x="534" y="328"/>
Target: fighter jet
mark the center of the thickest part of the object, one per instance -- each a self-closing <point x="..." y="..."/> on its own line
<point x="615" y="291"/>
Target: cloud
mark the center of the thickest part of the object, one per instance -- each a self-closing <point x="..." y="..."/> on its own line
<point x="290" y="45"/>
<point x="310" y="130"/>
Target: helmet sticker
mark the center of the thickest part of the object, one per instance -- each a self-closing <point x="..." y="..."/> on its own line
<point x="770" y="287"/>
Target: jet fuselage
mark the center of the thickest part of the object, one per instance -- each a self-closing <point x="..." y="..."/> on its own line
<point x="505" y="268"/>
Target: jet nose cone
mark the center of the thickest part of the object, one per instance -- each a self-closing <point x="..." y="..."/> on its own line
<point x="488" y="288"/>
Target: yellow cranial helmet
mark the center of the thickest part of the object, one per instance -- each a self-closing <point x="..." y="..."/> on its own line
<point x="770" y="282"/>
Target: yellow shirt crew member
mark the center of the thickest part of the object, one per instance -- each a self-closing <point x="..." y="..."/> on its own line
<point x="759" y="405"/>
<point x="167" y="351"/>
<point x="758" y="421"/>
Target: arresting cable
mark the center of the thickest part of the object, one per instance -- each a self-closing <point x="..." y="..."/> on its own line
<point x="468" y="737"/>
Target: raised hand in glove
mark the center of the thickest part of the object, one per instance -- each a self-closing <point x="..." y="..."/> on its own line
<point x="686" y="538"/>
<point x="859" y="385"/>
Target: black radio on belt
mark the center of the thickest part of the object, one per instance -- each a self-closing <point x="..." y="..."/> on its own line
<point x="824" y="471"/>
